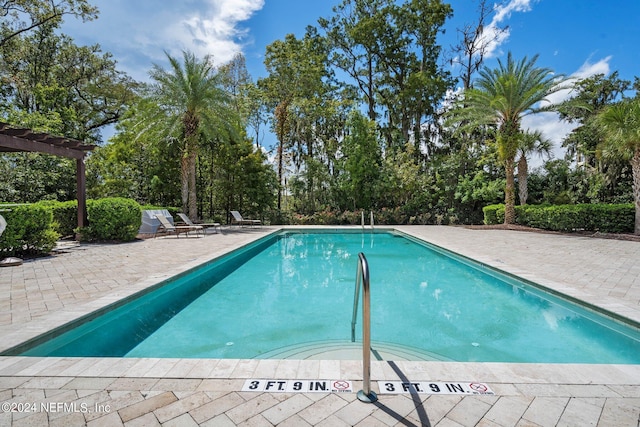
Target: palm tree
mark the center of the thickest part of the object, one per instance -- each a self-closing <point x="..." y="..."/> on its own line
<point x="502" y="97"/>
<point x="193" y="105"/>
<point x="621" y="126"/>
<point x="530" y="143"/>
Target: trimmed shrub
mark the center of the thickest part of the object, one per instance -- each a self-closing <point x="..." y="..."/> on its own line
<point x="112" y="219"/>
<point x="65" y="216"/>
<point x="588" y="217"/>
<point x="29" y="231"/>
<point x="619" y="218"/>
<point x="493" y="214"/>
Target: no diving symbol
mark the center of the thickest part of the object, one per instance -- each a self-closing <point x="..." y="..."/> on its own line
<point x="478" y="387"/>
<point x="341" y="385"/>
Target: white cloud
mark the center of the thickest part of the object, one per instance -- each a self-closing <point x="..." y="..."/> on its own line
<point x="549" y="123"/>
<point x="505" y="11"/>
<point x="492" y="34"/>
<point x="588" y="69"/>
<point x="138" y="32"/>
<point x="551" y="127"/>
<point x="216" y="30"/>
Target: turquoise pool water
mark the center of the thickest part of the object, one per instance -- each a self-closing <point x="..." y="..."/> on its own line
<point x="297" y="287"/>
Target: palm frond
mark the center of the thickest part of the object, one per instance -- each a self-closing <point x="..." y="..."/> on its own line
<point x="621" y="125"/>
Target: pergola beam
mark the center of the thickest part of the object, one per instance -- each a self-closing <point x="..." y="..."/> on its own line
<point x="13" y="144"/>
<point x="25" y="140"/>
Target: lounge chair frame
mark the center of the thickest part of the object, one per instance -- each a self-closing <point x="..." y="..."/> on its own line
<point x="168" y="228"/>
<point x="187" y="220"/>
<point x="239" y="220"/>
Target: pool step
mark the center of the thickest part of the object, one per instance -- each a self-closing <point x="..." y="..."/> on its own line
<point x="347" y="350"/>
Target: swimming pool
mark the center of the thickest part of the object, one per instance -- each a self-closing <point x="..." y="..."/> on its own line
<point x="295" y="289"/>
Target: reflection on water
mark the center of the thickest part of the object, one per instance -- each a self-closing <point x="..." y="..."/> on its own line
<point x="555" y="314"/>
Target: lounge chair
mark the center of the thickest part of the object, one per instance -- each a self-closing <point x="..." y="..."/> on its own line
<point x="167" y="227"/>
<point x="187" y="220"/>
<point x="237" y="219"/>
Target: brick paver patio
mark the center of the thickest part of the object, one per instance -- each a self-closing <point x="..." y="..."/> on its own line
<point x="47" y="292"/>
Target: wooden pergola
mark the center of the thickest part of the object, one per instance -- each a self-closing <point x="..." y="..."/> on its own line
<point x="14" y="139"/>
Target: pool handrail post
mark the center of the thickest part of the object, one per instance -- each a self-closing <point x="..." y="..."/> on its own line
<point x="364" y="395"/>
<point x="371" y="214"/>
<point x="356" y="301"/>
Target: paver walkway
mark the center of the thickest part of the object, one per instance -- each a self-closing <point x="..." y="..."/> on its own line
<point x="47" y="292"/>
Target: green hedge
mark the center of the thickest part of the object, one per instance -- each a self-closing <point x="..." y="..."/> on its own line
<point x="29" y="231"/>
<point x="112" y="219"/>
<point x="618" y="218"/>
<point x="34" y="229"/>
<point x="589" y="217"/>
<point x="493" y="214"/>
<point x="65" y="216"/>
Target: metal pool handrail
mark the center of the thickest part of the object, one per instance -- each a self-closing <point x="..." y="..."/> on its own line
<point x="362" y="277"/>
<point x="370" y="219"/>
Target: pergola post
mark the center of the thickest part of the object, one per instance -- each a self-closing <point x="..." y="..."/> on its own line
<point x="82" y="193"/>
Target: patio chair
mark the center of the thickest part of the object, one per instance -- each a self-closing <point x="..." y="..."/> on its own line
<point x="167" y="227"/>
<point x="187" y="220"/>
<point x="237" y="219"/>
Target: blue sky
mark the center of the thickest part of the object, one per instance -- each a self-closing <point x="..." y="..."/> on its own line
<point x="577" y="38"/>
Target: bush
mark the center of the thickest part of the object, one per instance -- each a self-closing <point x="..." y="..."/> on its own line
<point x="589" y="217"/>
<point x="619" y="218"/>
<point x="388" y="216"/>
<point x="29" y="231"/>
<point x="351" y="218"/>
<point x="326" y="217"/>
<point x="558" y="218"/>
<point x="384" y="216"/>
<point x="65" y="216"/>
<point x="112" y="219"/>
<point x="493" y="214"/>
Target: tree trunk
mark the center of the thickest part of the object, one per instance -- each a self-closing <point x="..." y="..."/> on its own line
<point x="280" y="168"/>
<point x="370" y="90"/>
<point x="635" y="167"/>
<point x="193" y="199"/>
<point x="523" y="174"/>
<point x="188" y="164"/>
<point x="184" y="182"/>
<point x="281" y="115"/>
<point x="508" y="141"/>
<point x="509" y="193"/>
